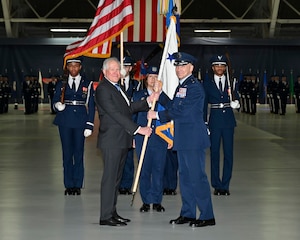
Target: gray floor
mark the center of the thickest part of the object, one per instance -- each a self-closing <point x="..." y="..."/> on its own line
<point x="265" y="188"/>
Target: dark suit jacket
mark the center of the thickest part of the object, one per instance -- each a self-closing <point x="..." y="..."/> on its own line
<point x="116" y="126"/>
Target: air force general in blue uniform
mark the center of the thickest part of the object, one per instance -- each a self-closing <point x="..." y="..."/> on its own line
<point x="190" y="141"/>
<point x="221" y="123"/>
<point x="75" y="121"/>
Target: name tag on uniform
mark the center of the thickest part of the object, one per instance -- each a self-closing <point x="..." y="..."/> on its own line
<point x="181" y="93"/>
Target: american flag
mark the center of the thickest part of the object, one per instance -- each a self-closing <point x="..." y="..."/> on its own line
<point x="149" y="26"/>
<point x="112" y="17"/>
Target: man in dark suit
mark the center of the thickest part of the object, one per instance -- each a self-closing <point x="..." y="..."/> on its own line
<point x="74" y="102"/>
<point x="190" y="141"/>
<point x="221" y="123"/>
<point x="115" y="136"/>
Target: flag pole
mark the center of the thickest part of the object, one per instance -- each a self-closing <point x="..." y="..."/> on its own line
<point x="139" y="168"/>
<point x="122" y="56"/>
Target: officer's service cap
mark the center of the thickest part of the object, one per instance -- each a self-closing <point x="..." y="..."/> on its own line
<point x="128" y="61"/>
<point x="76" y="60"/>
<point x="218" y="60"/>
<point x="152" y="70"/>
<point x="182" y="58"/>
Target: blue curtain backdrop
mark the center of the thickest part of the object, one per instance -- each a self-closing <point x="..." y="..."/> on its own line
<point x="20" y="59"/>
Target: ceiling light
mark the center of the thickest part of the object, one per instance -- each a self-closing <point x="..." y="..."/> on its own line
<point x="212" y="31"/>
<point x="68" y="30"/>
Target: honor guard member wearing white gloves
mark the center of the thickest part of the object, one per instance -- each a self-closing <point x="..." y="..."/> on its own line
<point x="74" y="103"/>
<point x="190" y="141"/>
<point x="221" y="123"/>
<point x="129" y="86"/>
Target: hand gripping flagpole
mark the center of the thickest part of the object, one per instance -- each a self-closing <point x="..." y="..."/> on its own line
<point x="162" y="65"/>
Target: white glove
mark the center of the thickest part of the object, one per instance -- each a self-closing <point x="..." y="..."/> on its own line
<point x="87" y="132"/>
<point x="60" y="106"/>
<point x="235" y="104"/>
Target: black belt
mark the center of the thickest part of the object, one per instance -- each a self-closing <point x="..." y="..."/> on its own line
<point x="74" y="102"/>
<point x="220" y="105"/>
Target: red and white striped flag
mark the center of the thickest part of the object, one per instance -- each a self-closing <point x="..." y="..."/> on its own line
<point x="149" y="26"/>
<point x="112" y="17"/>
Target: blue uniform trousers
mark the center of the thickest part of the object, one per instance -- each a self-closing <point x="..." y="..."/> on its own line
<point x="194" y="186"/>
<point x="224" y="135"/>
<point x="171" y="169"/>
<point x="72" y="140"/>
<point x="151" y="178"/>
<point x="128" y="172"/>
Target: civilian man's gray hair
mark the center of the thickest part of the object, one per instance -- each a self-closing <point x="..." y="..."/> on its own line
<point x="108" y="60"/>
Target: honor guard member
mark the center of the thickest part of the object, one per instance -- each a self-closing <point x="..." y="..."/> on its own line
<point x="243" y="92"/>
<point x="51" y="90"/>
<point x="221" y="123"/>
<point x="275" y="93"/>
<point x="253" y="86"/>
<point x="7" y="93"/>
<point x="37" y="88"/>
<point x="190" y="141"/>
<point x="74" y="103"/>
<point x="152" y="173"/>
<point x="1" y="95"/>
<point x="270" y="96"/>
<point x="27" y="94"/>
<point x="283" y="91"/>
<point x="297" y="94"/>
<point x="171" y="172"/>
<point x="129" y="86"/>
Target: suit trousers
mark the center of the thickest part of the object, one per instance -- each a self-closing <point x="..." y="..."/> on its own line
<point x="194" y="186"/>
<point x="72" y="140"/>
<point x="128" y="172"/>
<point x="114" y="161"/>
<point x="225" y="135"/>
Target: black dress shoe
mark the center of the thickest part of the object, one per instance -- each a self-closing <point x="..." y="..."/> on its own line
<point x="112" y="222"/>
<point x="121" y="219"/>
<point x="203" y="223"/>
<point x="158" y="207"/>
<point x="76" y="191"/>
<point x="145" y="208"/>
<point x="217" y="192"/>
<point x="172" y="192"/>
<point x="182" y="220"/>
<point x="69" y="191"/>
<point x="125" y="191"/>
<point x="225" y="192"/>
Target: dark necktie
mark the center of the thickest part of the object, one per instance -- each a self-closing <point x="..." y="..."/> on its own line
<point x="117" y="87"/>
<point x="73" y="85"/>
<point x="220" y="85"/>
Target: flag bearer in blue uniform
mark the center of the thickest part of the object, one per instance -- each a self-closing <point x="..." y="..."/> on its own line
<point x="129" y="86"/>
<point x="152" y="173"/>
<point x="74" y="102"/>
<point x="190" y="141"/>
<point x="221" y="123"/>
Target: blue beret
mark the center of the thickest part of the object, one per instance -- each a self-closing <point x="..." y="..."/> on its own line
<point x="182" y="58"/>
<point x="76" y="60"/>
<point x="218" y="60"/>
<point x="152" y="70"/>
<point x="128" y="61"/>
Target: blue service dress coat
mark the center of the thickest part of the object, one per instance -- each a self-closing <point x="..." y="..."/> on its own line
<point x="77" y="116"/>
<point x="152" y="173"/>
<point x="221" y="122"/>
<point x="190" y="141"/>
